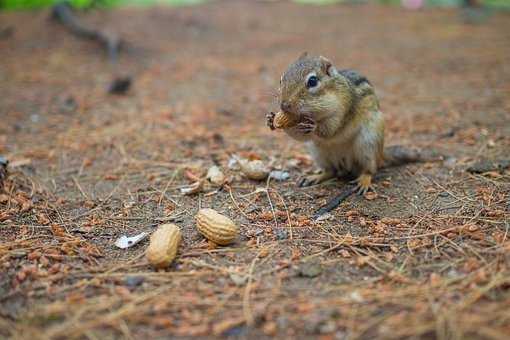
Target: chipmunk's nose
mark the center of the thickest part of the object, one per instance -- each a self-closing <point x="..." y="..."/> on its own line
<point x="285" y="106"/>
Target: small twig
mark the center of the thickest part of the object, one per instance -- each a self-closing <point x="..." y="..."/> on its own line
<point x="427" y="234"/>
<point x="271" y="203"/>
<point x="235" y="203"/>
<point x="335" y="247"/>
<point x="75" y="180"/>
<point x="288" y="213"/>
<point x="335" y="201"/>
<point x="246" y="298"/>
<point x="63" y="13"/>
<point x="163" y="193"/>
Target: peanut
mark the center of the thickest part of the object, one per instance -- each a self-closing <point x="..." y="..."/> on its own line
<point x="283" y="120"/>
<point x="163" y="245"/>
<point x="216" y="227"/>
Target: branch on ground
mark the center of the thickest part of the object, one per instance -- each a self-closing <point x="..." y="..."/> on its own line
<point x="63" y="13"/>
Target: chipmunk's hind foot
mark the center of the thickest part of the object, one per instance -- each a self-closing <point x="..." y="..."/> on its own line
<point x="363" y="184"/>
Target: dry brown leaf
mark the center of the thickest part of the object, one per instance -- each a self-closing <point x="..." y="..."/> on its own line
<point x="58" y="230"/>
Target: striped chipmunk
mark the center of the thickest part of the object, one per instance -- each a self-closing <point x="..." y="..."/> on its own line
<point x="336" y="113"/>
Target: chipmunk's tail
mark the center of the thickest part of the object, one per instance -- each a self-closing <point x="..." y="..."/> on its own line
<point x="398" y="155"/>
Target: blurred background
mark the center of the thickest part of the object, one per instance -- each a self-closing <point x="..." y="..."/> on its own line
<point x="29" y="4"/>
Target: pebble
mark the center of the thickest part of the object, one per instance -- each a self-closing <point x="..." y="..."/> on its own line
<point x="133" y="281"/>
<point x="281" y="234"/>
<point x="278" y="175"/>
<point x="310" y="269"/>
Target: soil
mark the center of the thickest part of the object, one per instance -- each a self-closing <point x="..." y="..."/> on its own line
<point x="425" y="256"/>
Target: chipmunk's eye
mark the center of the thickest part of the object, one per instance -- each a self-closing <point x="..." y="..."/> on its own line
<point x="312" y="82"/>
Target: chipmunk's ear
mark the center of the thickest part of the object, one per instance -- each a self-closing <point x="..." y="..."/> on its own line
<point x="327" y="67"/>
<point x="303" y="55"/>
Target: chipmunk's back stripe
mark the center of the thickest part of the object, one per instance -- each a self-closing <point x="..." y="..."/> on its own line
<point x="354" y="77"/>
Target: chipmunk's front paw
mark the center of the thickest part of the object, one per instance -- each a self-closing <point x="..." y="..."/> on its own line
<point x="306" y="127"/>
<point x="309" y="181"/>
<point x="314" y="179"/>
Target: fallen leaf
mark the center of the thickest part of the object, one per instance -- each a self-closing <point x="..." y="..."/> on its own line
<point x="191" y="176"/>
<point x="344" y="253"/>
<point x="110" y="177"/>
<point x="58" y="230"/>
<point x="263" y="252"/>
<point x="371" y="195"/>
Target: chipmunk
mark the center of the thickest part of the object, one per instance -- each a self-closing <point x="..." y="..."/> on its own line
<point x="338" y="116"/>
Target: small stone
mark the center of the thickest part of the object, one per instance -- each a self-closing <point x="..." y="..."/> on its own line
<point x="310" y="269"/>
<point x="233" y="163"/>
<point x="239" y="280"/>
<point x="282" y="322"/>
<point x="450" y="162"/>
<point x="356" y="297"/>
<point x="281" y="234"/>
<point x="327" y="327"/>
<point x="324" y="217"/>
<point x="133" y="281"/>
<point x="278" y="175"/>
<point x="483" y="166"/>
<point x="120" y="85"/>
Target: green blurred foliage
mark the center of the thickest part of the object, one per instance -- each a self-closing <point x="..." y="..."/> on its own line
<point x="29" y="4"/>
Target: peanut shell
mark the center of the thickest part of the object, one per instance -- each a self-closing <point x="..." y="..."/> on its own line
<point x="216" y="227"/>
<point x="283" y="120"/>
<point x="254" y="169"/>
<point x="163" y="245"/>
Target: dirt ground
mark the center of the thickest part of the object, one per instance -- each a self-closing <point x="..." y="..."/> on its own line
<point x="426" y="256"/>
